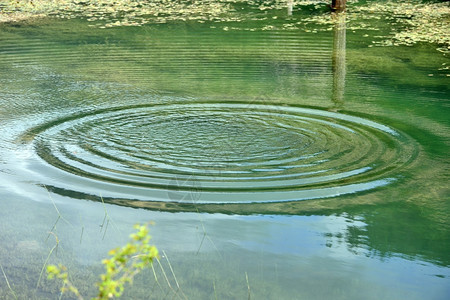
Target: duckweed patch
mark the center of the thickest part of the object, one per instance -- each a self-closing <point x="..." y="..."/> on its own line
<point x="390" y="23"/>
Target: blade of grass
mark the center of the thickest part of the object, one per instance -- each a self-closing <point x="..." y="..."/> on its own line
<point x="205" y="235"/>
<point x="164" y="273"/>
<point x="48" y="257"/>
<point x="7" y="282"/>
<point x="106" y="219"/>
<point x="167" y="279"/>
<point x="56" y="208"/>
<point x="156" y="277"/>
<point x="173" y="274"/>
<point x="214" y="287"/>
<point x="248" y="285"/>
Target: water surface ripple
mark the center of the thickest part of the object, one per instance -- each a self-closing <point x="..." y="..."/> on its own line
<point x="218" y="153"/>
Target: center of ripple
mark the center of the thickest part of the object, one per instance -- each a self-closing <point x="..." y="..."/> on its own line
<point x="233" y="152"/>
<point x="228" y="140"/>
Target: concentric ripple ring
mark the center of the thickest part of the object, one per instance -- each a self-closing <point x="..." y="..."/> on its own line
<point x="218" y="153"/>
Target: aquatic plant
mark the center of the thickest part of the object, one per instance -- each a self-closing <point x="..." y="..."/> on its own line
<point x="407" y="22"/>
<point x="112" y="13"/>
<point x="120" y="268"/>
<point x="410" y="21"/>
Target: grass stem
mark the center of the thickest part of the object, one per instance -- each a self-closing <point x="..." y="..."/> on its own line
<point x="48" y="257"/>
<point x="248" y="285"/>
<point x="7" y="282"/>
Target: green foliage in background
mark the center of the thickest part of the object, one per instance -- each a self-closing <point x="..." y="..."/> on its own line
<point x="120" y="268"/>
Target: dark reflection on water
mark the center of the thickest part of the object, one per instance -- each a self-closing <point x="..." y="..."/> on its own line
<point x="373" y="243"/>
<point x="397" y="229"/>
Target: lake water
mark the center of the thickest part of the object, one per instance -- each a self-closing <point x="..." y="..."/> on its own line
<point x="275" y="164"/>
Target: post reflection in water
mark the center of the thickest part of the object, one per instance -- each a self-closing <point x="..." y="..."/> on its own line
<point x="338" y="60"/>
<point x="290" y="6"/>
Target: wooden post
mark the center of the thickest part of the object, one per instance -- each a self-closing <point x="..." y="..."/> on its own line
<point x="338" y="5"/>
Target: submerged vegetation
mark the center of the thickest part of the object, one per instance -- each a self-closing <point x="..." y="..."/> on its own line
<point x="109" y="13"/>
<point x="407" y="22"/>
<point x="411" y="21"/>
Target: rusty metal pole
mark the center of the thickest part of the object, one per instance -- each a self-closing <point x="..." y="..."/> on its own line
<point x="338" y="5"/>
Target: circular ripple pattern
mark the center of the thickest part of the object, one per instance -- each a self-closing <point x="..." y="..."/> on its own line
<point x="219" y="153"/>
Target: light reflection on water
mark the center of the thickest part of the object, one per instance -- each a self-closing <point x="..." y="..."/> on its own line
<point x="230" y="154"/>
<point x="294" y="253"/>
<point x="390" y="242"/>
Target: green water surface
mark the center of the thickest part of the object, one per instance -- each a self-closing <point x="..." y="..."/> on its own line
<point x="262" y="183"/>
